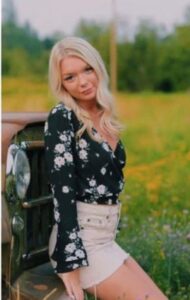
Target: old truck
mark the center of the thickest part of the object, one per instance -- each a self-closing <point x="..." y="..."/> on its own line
<point x="27" y="211"/>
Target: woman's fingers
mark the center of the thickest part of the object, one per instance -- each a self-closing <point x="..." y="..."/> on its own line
<point x="72" y="283"/>
<point x="74" y="291"/>
<point x="78" y="292"/>
<point x="69" y="290"/>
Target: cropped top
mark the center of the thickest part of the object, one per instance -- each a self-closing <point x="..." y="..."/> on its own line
<point x="78" y="170"/>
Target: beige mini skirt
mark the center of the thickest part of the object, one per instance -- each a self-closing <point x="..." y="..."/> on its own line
<point x="98" y="227"/>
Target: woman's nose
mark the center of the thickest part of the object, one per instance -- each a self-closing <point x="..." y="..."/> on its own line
<point x="82" y="80"/>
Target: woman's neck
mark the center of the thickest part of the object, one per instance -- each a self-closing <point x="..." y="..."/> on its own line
<point x="91" y="108"/>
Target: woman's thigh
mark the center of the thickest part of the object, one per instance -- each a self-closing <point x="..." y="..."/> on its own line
<point x="129" y="282"/>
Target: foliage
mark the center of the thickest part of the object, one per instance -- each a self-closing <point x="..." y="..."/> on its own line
<point x="152" y="60"/>
<point x="98" y="35"/>
<point x="155" y="223"/>
<point x="162" y="249"/>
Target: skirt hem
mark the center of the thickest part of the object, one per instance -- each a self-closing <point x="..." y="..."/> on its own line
<point x="105" y="276"/>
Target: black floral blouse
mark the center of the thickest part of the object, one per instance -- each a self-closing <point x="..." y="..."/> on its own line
<point x="79" y="170"/>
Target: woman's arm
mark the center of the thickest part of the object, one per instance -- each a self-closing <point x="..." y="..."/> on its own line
<point x="69" y="253"/>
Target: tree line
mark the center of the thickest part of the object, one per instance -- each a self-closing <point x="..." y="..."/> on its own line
<point x="152" y="59"/>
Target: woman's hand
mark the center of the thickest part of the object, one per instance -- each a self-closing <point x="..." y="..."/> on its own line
<point x="72" y="284"/>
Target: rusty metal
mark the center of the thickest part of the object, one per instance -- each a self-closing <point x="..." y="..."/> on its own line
<point x="24" y="118"/>
<point x="32" y="144"/>
<point x="39" y="283"/>
<point x="36" y="202"/>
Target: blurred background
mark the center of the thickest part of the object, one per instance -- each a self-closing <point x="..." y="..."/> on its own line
<point x="146" y="48"/>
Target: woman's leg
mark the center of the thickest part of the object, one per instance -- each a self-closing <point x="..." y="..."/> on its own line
<point x="129" y="282"/>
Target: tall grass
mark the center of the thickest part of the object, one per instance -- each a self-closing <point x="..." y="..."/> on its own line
<point x="155" y="223"/>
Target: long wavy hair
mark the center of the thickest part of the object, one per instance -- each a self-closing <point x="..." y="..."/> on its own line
<point x="74" y="46"/>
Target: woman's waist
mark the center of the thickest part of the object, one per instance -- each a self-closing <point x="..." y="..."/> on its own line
<point x="98" y="209"/>
<point x="94" y="198"/>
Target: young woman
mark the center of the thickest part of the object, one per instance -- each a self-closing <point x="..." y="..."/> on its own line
<point x="85" y="158"/>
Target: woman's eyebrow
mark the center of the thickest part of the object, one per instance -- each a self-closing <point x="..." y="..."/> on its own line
<point x="68" y="73"/>
<point x="71" y="73"/>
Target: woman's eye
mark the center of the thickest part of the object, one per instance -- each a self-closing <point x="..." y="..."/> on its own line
<point x="88" y="69"/>
<point x="68" y="78"/>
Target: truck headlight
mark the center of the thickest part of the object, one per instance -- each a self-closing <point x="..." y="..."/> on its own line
<point x="21" y="172"/>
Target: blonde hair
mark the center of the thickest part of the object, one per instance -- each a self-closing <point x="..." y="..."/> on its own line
<point x="73" y="46"/>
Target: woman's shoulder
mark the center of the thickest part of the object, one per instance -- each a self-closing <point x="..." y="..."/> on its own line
<point x="64" y="114"/>
<point x="60" y="109"/>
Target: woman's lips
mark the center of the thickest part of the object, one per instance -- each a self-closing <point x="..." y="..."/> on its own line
<point x="88" y="91"/>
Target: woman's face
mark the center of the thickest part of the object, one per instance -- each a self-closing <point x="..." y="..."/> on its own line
<point x="79" y="78"/>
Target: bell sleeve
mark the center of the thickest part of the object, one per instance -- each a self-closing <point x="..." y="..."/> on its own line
<point x="69" y="252"/>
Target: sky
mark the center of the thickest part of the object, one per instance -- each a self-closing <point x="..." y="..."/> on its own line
<point x="49" y="16"/>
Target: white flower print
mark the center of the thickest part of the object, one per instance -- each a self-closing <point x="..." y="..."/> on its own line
<point x="121" y="184"/>
<point x="46" y="127"/>
<point x="110" y="201"/>
<point x="101" y="189"/>
<point x="70" y="258"/>
<point x="63" y="137"/>
<point x="67" y="108"/>
<point x="72" y="235"/>
<point x="94" y="202"/>
<point x="68" y="156"/>
<point x="92" y="182"/>
<point x="58" y="105"/>
<point x="53" y="189"/>
<point x="105" y="146"/>
<point x="69" y="115"/>
<point x="59" y="161"/>
<point x="55" y="202"/>
<point x="65" y="189"/>
<point x="103" y="171"/>
<point x="54" y="110"/>
<point x="79" y="253"/>
<point x="70" y="248"/>
<point x="82" y="143"/>
<point x="75" y="266"/>
<point x="56" y="216"/>
<point x="84" y="263"/>
<point x="54" y="263"/>
<point x="59" y="148"/>
<point x="82" y="154"/>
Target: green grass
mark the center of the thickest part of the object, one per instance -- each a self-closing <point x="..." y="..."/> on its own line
<point x="155" y="223"/>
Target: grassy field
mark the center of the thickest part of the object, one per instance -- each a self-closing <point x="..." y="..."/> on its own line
<point x="155" y="223"/>
<point x="156" y="200"/>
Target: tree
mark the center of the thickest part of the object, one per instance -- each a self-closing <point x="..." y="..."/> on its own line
<point x="98" y="34"/>
<point x="9" y="14"/>
<point x="187" y="15"/>
<point x="138" y="58"/>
